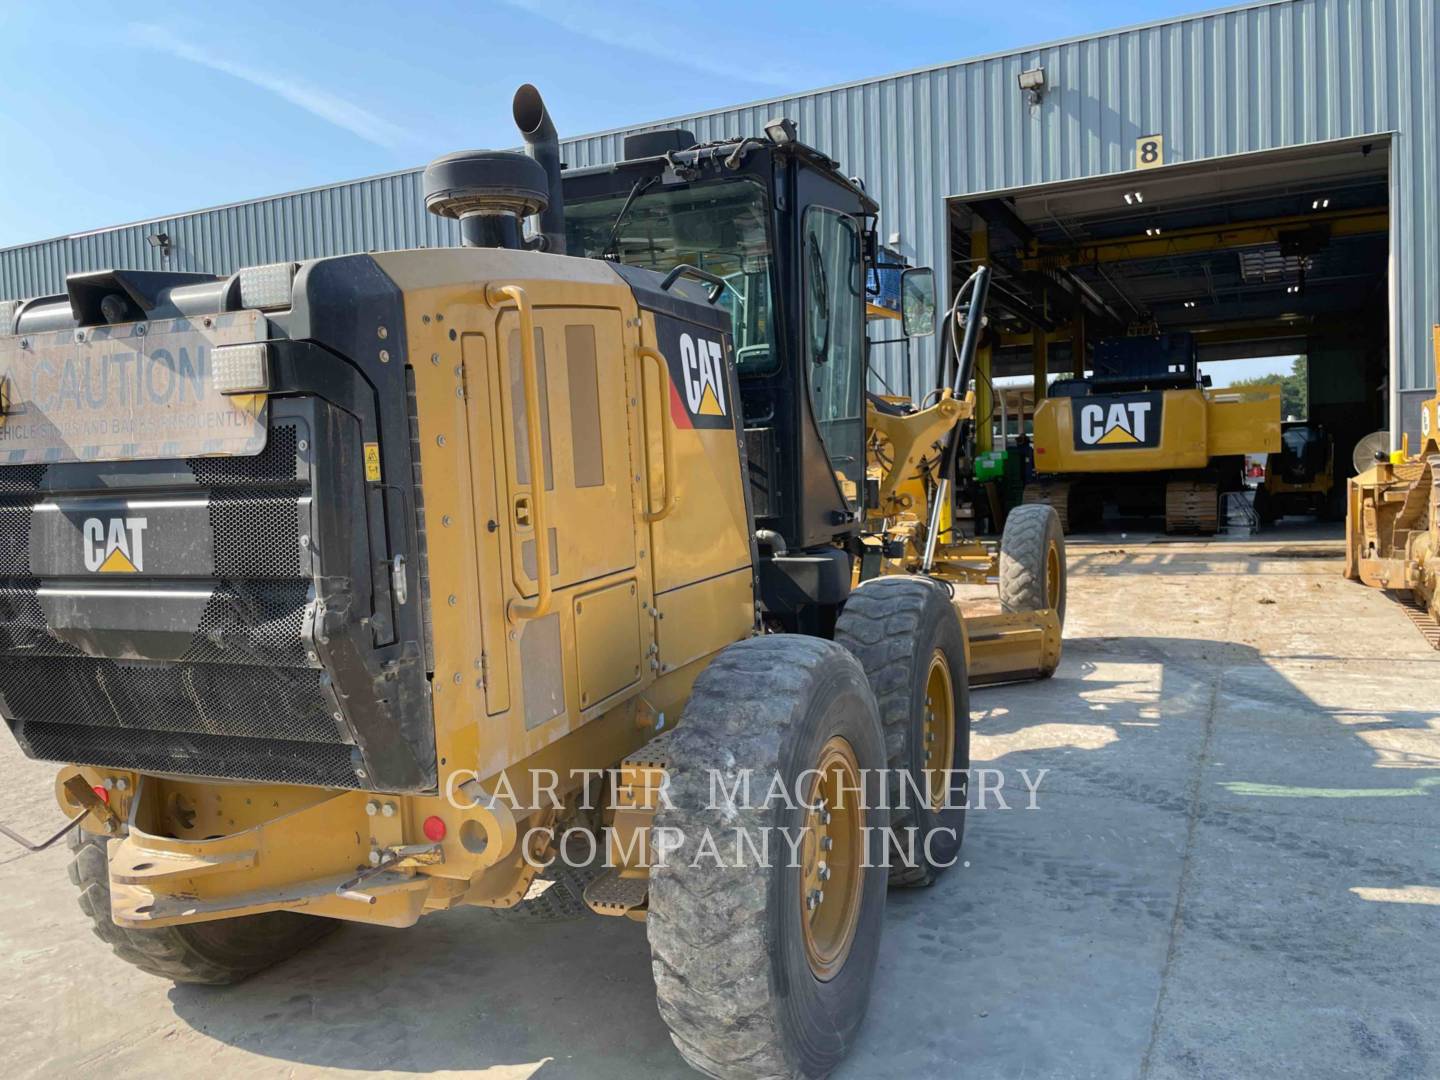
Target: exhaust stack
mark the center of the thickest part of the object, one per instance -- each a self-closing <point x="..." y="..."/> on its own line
<point x="543" y="145"/>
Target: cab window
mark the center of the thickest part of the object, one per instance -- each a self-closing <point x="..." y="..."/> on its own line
<point x="833" y="273"/>
<point x="721" y="227"/>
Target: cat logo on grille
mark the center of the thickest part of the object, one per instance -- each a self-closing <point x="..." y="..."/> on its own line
<point x="114" y="545"/>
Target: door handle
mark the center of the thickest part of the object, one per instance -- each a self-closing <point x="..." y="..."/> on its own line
<point x="667" y="447"/>
<point x="534" y="504"/>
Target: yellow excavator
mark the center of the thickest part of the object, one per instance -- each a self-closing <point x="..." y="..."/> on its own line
<point x="1146" y="435"/>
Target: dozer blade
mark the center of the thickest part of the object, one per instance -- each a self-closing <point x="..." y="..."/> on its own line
<point x="1012" y="648"/>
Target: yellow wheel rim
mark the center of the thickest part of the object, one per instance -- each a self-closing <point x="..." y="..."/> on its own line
<point x="832" y="859"/>
<point x="938" y="732"/>
<point x="1052" y="576"/>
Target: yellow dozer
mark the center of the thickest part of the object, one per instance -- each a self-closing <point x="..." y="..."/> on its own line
<point x="1144" y="434"/>
<point x="366" y="587"/>
<point x="1392" y="527"/>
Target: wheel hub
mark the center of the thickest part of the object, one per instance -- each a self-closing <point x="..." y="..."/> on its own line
<point x="938" y="731"/>
<point x="832" y="857"/>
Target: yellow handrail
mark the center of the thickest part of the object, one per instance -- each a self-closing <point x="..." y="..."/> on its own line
<point x="499" y="296"/>
<point x="667" y="504"/>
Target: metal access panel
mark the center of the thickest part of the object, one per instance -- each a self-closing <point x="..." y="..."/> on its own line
<point x="607" y="641"/>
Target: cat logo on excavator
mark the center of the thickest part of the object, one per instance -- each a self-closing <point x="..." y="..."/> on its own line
<point x="1132" y="421"/>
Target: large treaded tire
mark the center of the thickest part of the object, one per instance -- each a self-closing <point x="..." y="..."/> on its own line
<point x="731" y="975"/>
<point x="210" y="953"/>
<point x="1025" y="564"/>
<point x="894" y="625"/>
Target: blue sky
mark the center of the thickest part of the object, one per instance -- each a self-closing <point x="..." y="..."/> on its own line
<point x="115" y="112"/>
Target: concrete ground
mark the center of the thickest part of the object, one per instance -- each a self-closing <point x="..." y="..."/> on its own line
<point x="1233" y="871"/>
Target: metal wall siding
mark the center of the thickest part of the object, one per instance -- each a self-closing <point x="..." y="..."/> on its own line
<point x="1273" y="74"/>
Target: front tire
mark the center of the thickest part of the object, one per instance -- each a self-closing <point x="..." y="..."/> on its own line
<point x="907" y="637"/>
<point x="755" y="975"/>
<point x="1032" y="561"/>
<point x="209" y="953"/>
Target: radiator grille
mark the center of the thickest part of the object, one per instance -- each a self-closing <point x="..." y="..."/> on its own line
<point x="246" y="700"/>
<point x="253" y="627"/>
<point x="255" y="536"/>
<point x="263" y="760"/>
<point x="214" y="699"/>
<point x="15" y="540"/>
<point x="278" y="463"/>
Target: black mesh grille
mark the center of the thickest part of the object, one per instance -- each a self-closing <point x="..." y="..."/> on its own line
<point x="23" y="628"/>
<point x="246" y="700"/>
<point x="255" y="536"/>
<point x="276" y="464"/>
<point x="21" y="479"/>
<point x="263" y="760"/>
<point x="214" y="699"/>
<point x="15" y="540"/>
<point x="256" y="626"/>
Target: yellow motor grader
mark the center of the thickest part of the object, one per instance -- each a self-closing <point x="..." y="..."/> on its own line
<point x="363" y="588"/>
<point x="1392" y="526"/>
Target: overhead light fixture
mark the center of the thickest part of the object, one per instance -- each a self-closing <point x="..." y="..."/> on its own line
<point x="160" y="241"/>
<point x="1032" y="85"/>
<point x="781" y="130"/>
<point x="1320" y="204"/>
<point x="1189" y="303"/>
<point x="1134" y="197"/>
<point x="1152" y="231"/>
<point x="1292" y="289"/>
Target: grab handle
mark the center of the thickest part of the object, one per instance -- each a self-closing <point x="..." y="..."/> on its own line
<point x="519" y="610"/>
<point x="667" y="502"/>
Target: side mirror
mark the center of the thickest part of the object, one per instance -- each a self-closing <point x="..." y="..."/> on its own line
<point x="917" y="301"/>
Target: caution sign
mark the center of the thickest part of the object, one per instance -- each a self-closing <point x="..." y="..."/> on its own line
<point x="699" y="361"/>
<point x="131" y="392"/>
<point x="1117" y="421"/>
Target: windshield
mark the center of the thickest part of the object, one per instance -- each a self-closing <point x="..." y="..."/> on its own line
<point x="720" y="227"/>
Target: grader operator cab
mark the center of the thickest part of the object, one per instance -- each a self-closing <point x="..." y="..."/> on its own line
<point x="355" y="589"/>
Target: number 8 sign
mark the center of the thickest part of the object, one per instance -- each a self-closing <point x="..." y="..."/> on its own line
<point x="1149" y="151"/>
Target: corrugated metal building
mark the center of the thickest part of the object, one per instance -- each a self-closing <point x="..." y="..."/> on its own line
<point x="1260" y="77"/>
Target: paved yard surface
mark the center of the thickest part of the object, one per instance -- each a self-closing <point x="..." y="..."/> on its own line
<point x="1233" y="870"/>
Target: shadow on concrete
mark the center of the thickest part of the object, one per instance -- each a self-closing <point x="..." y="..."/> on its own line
<point x="467" y="990"/>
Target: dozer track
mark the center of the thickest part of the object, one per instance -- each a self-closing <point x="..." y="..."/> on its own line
<point x="1192" y="506"/>
<point x="1054" y="494"/>
<point x="1424" y="622"/>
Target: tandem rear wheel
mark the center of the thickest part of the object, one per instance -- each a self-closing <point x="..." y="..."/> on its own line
<point x="763" y="962"/>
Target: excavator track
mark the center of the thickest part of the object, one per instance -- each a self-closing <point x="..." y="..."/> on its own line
<point x="1192" y="506"/>
<point x="1054" y="494"/>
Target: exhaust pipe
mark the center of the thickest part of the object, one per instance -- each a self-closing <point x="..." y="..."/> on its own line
<point x="543" y="145"/>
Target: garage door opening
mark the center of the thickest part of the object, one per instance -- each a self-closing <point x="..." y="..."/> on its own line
<point x="1275" y="263"/>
